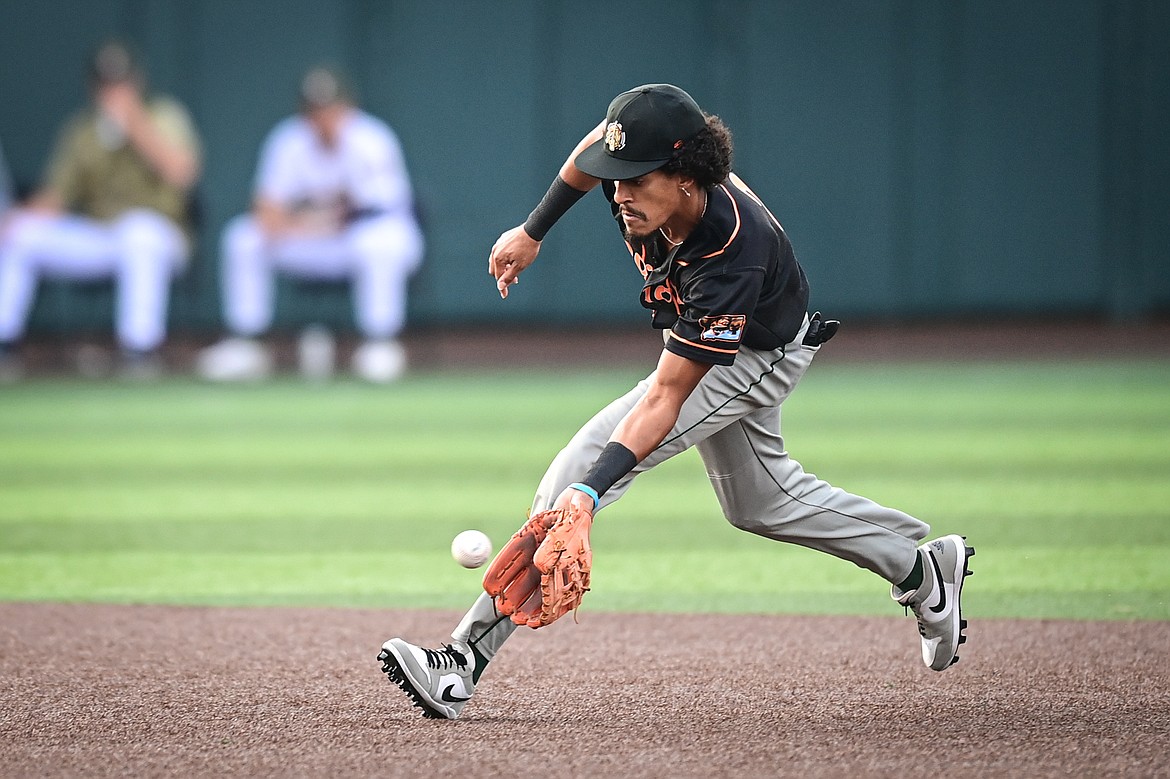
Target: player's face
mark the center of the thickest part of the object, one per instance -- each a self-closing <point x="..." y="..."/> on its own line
<point x="647" y="202"/>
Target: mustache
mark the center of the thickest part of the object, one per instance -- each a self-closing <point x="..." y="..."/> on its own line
<point x="632" y="212"/>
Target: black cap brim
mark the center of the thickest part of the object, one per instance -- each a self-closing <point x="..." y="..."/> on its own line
<point x="596" y="161"/>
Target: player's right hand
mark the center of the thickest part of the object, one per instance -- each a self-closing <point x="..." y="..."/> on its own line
<point x="511" y="254"/>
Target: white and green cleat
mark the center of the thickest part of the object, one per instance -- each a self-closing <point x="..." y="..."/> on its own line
<point x="439" y="681"/>
<point x="936" y="601"/>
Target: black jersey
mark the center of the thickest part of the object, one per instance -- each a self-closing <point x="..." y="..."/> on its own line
<point x="734" y="281"/>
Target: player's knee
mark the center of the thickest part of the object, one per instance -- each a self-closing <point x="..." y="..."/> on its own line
<point x="740" y="499"/>
<point x="389" y="246"/>
<point x="241" y="236"/>
<point x="749" y="523"/>
<point x="25" y="235"/>
<point x="144" y="233"/>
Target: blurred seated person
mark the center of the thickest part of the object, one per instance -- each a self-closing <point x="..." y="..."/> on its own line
<point x="7" y="194"/>
<point x="332" y="201"/>
<point x="113" y="204"/>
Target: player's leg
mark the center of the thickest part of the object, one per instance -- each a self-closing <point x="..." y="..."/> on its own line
<point x="764" y="491"/>
<point x="247" y="292"/>
<point x="426" y="673"/>
<point x="151" y="249"/>
<point x="719" y="399"/>
<point x="19" y="273"/>
<point x="386" y="252"/>
<point x="39" y="245"/>
<point x="724" y="394"/>
<point x="246" y="282"/>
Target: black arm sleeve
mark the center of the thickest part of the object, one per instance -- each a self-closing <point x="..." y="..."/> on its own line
<point x="556" y="202"/>
<point x="614" y="462"/>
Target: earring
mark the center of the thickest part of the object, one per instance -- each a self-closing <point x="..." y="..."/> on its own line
<point x="685" y="191"/>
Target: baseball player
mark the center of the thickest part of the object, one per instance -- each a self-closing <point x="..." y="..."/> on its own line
<point x="332" y="200"/>
<point x="724" y="287"/>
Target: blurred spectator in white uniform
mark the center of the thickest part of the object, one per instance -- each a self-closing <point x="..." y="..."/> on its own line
<point x="332" y="201"/>
<point x="114" y="204"/>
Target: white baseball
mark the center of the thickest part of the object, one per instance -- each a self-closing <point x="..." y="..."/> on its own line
<point x="471" y="548"/>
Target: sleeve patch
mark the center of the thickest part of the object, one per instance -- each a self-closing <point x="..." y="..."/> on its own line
<point x="722" y="328"/>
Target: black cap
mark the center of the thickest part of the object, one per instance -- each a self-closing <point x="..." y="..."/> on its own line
<point x="644" y="129"/>
<point x="323" y="86"/>
<point x="113" y="63"/>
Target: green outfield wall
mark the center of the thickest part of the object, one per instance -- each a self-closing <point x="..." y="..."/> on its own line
<point x="978" y="159"/>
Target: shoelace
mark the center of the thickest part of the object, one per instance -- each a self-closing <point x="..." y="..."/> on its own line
<point x="446" y="657"/>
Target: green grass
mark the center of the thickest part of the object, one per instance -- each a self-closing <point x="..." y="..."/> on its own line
<point x="349" y="495"/>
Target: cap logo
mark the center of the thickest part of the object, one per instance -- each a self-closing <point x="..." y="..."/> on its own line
<point x="615" y="137"/>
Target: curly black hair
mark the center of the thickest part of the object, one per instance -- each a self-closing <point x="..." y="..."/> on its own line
<point x="707" y="157"/>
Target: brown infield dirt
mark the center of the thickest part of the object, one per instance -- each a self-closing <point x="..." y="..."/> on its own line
<point x="100" y="690"/>
<point x="142" y="691"/>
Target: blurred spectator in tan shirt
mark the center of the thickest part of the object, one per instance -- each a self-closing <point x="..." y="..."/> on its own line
<point x="113" y="204"/>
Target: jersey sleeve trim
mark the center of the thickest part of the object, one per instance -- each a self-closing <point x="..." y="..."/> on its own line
<point x="702" y="346"/>
<point x="734" y="232"/>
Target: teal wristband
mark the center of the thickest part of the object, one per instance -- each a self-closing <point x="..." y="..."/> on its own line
<point x="579" y="487"/>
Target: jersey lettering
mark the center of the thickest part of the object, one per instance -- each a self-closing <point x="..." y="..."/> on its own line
<point x="660" y="293"/>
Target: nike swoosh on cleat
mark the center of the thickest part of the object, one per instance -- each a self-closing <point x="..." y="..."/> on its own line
<point x="449" y="698"/>
<point x="942" y="590"/>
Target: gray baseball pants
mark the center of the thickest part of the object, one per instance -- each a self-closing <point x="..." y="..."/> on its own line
<point x="733" y="419"/>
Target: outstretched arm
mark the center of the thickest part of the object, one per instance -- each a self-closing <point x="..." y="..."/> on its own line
<point x="652" y="417"/>
<point x="641" y="431"/>
<point x="517" y="248"/>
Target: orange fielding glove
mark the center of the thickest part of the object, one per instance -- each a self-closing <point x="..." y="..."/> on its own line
<point x="564" y="560"/>
<point x="542" y="573"/>
<point x="511" y="579"/>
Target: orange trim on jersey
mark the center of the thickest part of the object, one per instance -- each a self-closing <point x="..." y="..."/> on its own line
<point x="702" y="346"/>
<point x="734" y="232"/>
<point x="743" y="187"/>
